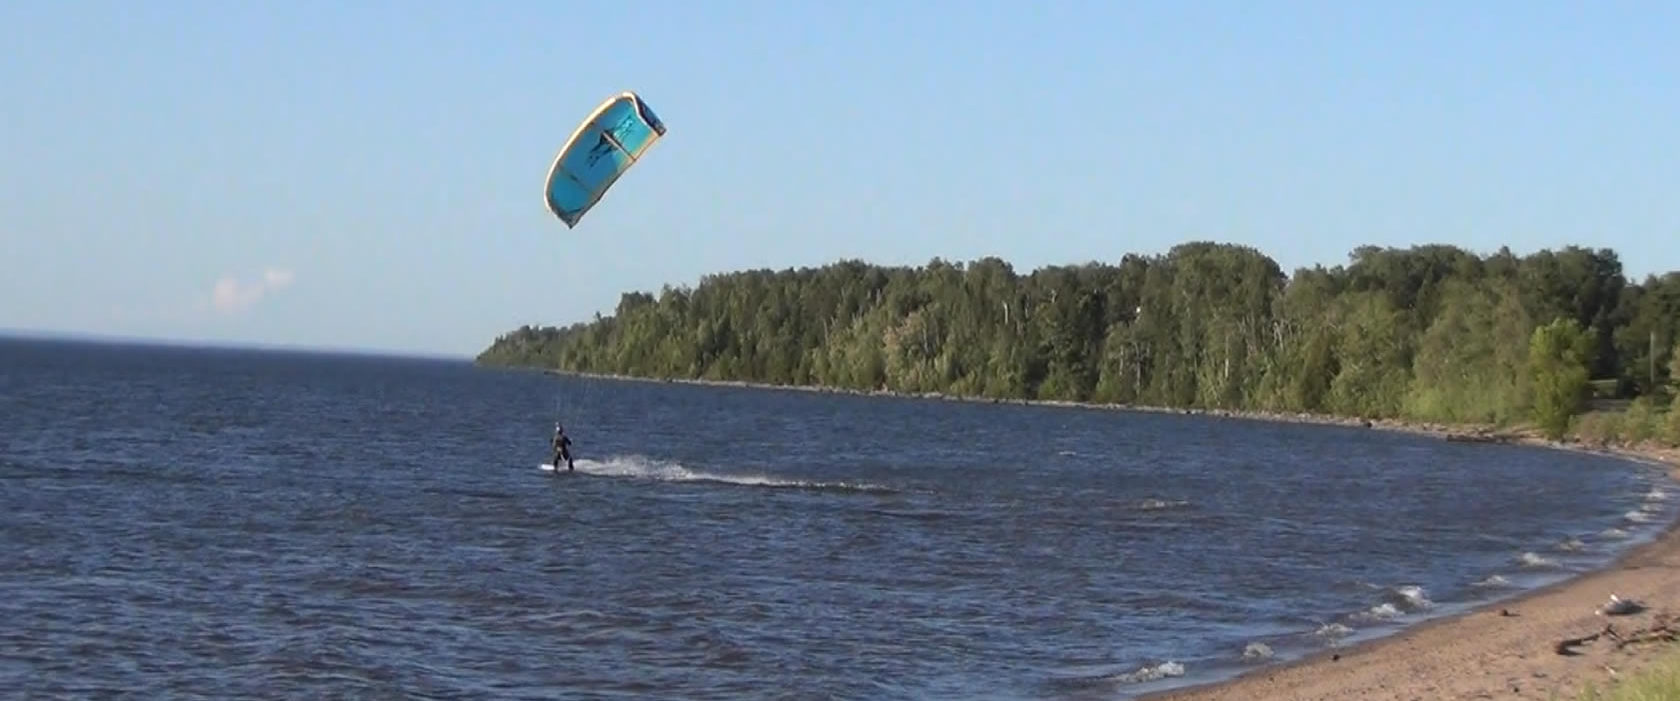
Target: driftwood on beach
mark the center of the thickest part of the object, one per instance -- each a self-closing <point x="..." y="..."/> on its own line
<point x="1664" y="628"/>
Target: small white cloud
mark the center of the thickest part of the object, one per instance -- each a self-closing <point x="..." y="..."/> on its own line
<point x="231" y="295"/>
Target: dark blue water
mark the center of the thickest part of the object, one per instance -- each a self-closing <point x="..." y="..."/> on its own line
<point x="215" y="524"/>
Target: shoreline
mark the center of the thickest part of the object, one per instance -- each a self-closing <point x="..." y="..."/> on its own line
<point x="1481" y="652"/>
<point x="1649" y="452"/>
<point x="1477" y="653"/>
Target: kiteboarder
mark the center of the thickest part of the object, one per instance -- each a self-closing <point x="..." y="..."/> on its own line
<point x="562" y="448"/>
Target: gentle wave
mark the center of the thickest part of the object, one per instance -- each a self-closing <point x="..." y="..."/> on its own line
<point x="1149" y="673"/>
<point x="1493" y="581"/>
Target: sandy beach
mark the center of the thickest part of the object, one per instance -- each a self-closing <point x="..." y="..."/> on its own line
<point x="1503" y="650"/>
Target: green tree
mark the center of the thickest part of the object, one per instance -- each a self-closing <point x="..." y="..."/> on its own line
<point x="1466" y="369"/>
<point x="1558" y="357"/>
<point x="1373" y="347"/>
<point x="1674" y="371"/>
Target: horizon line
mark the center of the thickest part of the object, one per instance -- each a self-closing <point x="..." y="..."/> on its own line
<point x="187" y="342"/>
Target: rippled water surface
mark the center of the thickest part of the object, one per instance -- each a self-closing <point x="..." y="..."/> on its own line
<point x="214" y="523"/>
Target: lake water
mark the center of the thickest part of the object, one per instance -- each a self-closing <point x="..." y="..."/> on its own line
<point x="197" y="523"/>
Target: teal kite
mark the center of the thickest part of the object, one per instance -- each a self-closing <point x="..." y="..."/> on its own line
<point x="600" y="150"/>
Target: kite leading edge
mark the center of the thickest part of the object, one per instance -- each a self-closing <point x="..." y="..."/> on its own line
<point x="600" y="150"/>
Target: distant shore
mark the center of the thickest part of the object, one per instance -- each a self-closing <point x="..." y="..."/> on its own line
<point x="1479" y="654"/>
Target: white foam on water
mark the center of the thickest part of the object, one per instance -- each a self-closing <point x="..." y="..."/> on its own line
<point x="1413" y="598"/>
<point x="1493" y="582"/>
<point x="1160" y="504"/>
<point x="1333" y="631"/>
<point x="1149" y="673"/>
<point x="1380" y="612"/>
<point x="640" y="467"/>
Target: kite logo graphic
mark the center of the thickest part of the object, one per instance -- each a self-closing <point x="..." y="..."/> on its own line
<point x="602" y="147"/>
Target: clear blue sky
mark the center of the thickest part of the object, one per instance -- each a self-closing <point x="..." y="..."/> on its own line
<point x="368" y="174"/>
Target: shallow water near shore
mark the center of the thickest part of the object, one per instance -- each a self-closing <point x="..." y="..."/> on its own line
<point x="221" y="523"/>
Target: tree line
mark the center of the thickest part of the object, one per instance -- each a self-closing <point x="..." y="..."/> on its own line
<point x="1432" y="332"/>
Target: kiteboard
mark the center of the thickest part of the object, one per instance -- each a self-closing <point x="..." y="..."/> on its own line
<point x="545" y="467"/>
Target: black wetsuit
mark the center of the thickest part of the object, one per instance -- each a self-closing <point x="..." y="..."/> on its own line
<point x="562" y="450"/>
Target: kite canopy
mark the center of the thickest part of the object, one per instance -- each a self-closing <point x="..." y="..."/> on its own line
<point x="605" y="145"/>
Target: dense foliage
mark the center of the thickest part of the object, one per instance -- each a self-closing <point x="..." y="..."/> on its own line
<point x="1432" y="332"/>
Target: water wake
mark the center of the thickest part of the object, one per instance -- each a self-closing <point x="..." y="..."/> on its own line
<point x="644" y="468"/>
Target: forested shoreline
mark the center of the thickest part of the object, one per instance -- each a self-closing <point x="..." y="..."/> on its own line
<point x="1429" y="333"/>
